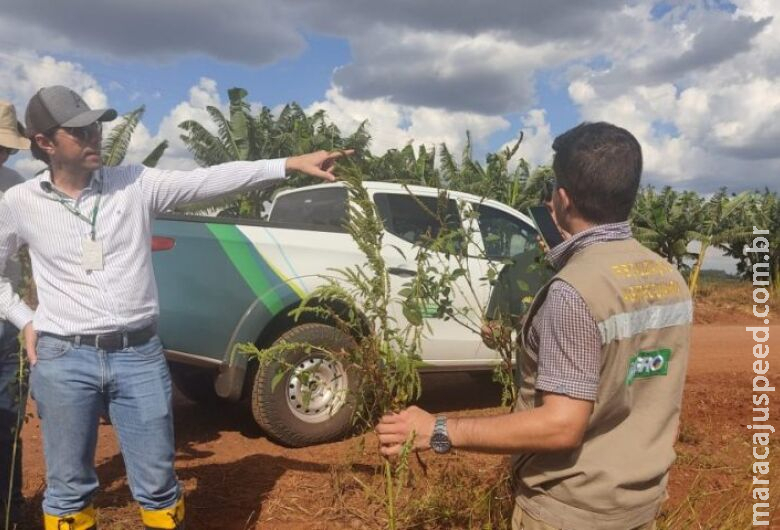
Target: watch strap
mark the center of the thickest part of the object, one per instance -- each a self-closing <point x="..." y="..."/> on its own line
<point x="441" y="425"/>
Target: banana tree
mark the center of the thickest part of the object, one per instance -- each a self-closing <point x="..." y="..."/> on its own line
<point x="667" y="222"/>
<point x="116" y="144"/>
<point x="404" y="166"/>
<point x="771" y="220"/>
<point x="719" y="223"/>
<point x="762" y="212"/>
<point x="518" y="187"/>
<point x="243" y="136"/>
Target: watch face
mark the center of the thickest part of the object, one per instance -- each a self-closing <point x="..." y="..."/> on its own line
<point x="440" y="442"/>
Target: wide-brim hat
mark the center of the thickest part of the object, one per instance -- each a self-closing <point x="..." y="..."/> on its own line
<point x="10" y="128"/>
<point x="59" y="106"/>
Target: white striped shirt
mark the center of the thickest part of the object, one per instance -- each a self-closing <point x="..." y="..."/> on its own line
<point x="123" y="295"/>
<point x="13" y="267"/>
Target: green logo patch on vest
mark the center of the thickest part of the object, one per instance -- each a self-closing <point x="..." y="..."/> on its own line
<point x="648" y="364"/>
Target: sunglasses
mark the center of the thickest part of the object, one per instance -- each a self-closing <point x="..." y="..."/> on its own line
<point x="85" y="133"/>
<point x="8" y="150"/>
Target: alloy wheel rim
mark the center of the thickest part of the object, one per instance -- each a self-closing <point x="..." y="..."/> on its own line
<point x="316" y="389"/>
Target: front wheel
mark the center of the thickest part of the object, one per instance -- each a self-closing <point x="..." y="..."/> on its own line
<point x="313" y="400"/>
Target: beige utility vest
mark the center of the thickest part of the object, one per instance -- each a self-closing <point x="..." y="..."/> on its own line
<point x="617" y="478"/>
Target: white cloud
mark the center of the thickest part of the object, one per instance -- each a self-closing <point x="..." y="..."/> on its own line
<point x="744" y="119"/>
<point x="392" y="125"/>
<point x="23" y="72"/>
<point x="536" y="147"/>
<point x="712" y="125"/>
<point x="581" y="91"/>
<point x="488" y="73"/>
<point x="764" y="58"/>
<point x="700" y="87"/>
<point x="205" y="93"/>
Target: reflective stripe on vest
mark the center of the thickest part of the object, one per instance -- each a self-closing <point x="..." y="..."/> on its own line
<point x="626" y="325"/>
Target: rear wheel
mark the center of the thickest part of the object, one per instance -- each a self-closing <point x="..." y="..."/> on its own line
<point x="314" y="400"/>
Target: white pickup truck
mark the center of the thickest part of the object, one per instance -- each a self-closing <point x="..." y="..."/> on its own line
<point x="224" y="281"/>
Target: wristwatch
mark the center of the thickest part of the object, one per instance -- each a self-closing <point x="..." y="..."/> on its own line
<point x="440" y="440"/>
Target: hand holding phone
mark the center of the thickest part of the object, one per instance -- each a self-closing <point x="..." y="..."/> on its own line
<point x="546" y="225"/>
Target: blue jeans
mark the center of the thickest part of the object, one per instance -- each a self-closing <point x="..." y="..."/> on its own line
<point x="73" y="386"/>
<point x="13" y="398"/>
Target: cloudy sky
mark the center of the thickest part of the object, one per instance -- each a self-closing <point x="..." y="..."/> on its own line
<point x="697" y="82"/>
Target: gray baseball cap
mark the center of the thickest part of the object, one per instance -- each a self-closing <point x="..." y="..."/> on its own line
<point x="59" y="106"/>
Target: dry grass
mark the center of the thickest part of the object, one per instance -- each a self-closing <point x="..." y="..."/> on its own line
<point x="728" y="300"/>
<point x="458" y="493"/>
<point x="449" y="492"/>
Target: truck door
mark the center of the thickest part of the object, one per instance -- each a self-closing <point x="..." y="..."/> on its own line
<point x="508" y="238"/>
<point x="408" y="220"/>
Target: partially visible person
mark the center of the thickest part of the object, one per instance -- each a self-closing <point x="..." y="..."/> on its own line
<point x="12" y="374"/>
<point x="604" y="357"/>
<point x="12" y="139"/>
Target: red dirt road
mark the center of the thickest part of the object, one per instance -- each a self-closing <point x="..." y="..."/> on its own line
<point x="235" y="479"/>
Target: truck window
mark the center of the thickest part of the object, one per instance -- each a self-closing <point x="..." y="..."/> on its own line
<point x="325" y="207"/>
<point x="413" y="221"/>
<point x="504" y="235"/>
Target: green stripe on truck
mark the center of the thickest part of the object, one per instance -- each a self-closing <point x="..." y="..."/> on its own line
<point x="250" y="265"/>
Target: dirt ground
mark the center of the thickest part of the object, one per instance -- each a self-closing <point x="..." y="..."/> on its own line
<point x="235" y="479"/>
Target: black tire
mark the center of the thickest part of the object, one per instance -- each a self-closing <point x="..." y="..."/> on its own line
<point x="280" y="412"/>
<point x="196" y="384"/>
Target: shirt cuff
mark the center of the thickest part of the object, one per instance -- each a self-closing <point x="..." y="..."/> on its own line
<point x="586" y="390"/>
<point x="20" y="315"/>
<point x="276" y="168"/>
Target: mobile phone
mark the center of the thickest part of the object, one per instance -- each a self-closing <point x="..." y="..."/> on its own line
<point x="547" y="228"/>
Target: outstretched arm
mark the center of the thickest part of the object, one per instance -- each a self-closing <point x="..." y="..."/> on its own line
<point x="568" y="380"/>
<point x="558" y="424"/>
<point x="166" y="189"/>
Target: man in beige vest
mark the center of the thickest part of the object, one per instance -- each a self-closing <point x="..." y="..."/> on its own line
<point x="603" y="365"/>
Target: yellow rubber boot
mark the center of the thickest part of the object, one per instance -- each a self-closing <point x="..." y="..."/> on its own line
<point x="168" y="518"/>
<point x="83" y="520"/>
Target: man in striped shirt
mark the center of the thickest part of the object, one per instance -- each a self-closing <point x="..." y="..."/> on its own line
<point x="91" y="343"/>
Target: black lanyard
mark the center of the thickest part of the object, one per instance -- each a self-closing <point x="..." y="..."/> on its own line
<point x="65" y="201"/>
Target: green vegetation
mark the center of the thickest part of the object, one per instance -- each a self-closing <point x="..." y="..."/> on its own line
<point x="116" y="144"/>
<point x="666" y="220"/>
<point x="357" y="300"/>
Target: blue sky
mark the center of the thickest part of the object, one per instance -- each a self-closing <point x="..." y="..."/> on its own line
<point x="696" y="81"/>
<point x="161" y="85"/>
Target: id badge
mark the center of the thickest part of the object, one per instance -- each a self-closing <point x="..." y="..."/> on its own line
<point x="91" y="255"/>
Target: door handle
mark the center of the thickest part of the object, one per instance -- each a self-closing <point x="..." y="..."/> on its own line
<point x="400" y="271"/>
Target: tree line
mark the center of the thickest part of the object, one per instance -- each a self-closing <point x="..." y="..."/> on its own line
<point x="665" y="220"/>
